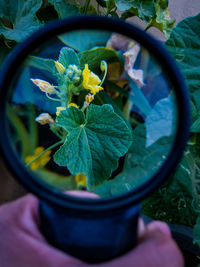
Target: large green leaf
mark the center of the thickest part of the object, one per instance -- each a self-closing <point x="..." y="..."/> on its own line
<point x="94" y="57"/>
<point x="68" y="57"/>
<point x="160" y="122"/>
<point x="64" y="9"/>
<point x="184" y="45"/>
<point x="21" y="16"/>
<point x="140" y="164"/>
<point x="195" y="128"/>
<point x="123" y="5"/>
<point x="43" y="64"/>
<point x="177" y="201"/>
<point x="94" y="143"/>
<point x="82" y="40"/>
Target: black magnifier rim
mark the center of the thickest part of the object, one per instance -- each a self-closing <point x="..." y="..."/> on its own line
<point x="52" y="195"/>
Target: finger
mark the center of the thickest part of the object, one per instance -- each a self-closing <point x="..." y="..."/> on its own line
<point x="159" y="226"/>
<point x="156" y="249"/>
<point x="21" y="243"/>
<point x="141" y="227"/>
<point x="81" y="194"/>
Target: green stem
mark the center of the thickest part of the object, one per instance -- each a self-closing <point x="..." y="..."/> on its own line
<point x="104" y="76"/>
<point x="83" y="108"/>
<point x="49" y="148"/>
<point x="86" y="6"/>
<point x="54" y="99"/>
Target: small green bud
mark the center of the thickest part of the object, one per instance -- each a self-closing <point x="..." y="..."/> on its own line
<point x="103" y="65"/>
<point x="73" y="74"/>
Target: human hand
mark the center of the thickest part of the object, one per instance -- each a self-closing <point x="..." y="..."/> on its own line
<point x="22" y="245"/>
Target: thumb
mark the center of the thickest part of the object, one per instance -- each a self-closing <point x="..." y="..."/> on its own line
<point x="156" y="249"/>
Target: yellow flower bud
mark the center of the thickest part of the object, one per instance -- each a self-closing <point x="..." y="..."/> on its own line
<point x="44" y="86"/>
<point x="44" y="118"/>
<point x="103" y="65"/>
<point x="81" y="179"/>
<point x="59" y="109"/>
<point x="60" y="68"/>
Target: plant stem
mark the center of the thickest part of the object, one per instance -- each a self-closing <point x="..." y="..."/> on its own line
<point x="43" y="152"/>
<point x="83" y="108"/>
<point x="104" y="76"/>
<point x="86" y="6"/>
<point x="54" y="99"/>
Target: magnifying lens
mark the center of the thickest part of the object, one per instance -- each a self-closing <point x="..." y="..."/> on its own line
<point x="94" y="116"/>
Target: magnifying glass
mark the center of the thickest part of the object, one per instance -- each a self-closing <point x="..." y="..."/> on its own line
<point x="94" y="116"/>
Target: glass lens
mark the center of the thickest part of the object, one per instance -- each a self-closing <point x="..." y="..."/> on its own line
<point x="92" y="111"/>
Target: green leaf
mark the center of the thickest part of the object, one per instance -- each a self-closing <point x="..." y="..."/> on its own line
<point x="140" y="164"/>
<point x="94" y="57"/>
<point x="162" y="19"/>
<point x="160" y="122"/>
<point x="153" y="12"/>
<point x="123" y="5"/>
<point x="184" y="44"/>
<point x="68" y="57"/>
<point x="177" y="201"/>
<point x="94" y="143"/>
<point x="145" y="9"/>
<point x="91" y="39"/>
<point x="21" y="15"/>
<point x="195" y="128"/>
<point x="64" y="9"/>
<point x="44" y="64"/>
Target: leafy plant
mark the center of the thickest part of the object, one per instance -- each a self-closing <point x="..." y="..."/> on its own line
<point x="19" y="21"/>
<point x="178" y="200"/>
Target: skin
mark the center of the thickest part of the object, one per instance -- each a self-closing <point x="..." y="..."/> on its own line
<point x="22" y="245"/>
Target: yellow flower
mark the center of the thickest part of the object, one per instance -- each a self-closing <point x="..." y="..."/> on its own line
<point x="91" y="81"/>
<point x="73" y="105"/>
<point x="60" y="68"/>
<point x="44" y="86"/>
<point x="44" y="118"/>
<point x="81" y="179"/>
<point x="59" y="109"/>
<point x="41" y="161"/>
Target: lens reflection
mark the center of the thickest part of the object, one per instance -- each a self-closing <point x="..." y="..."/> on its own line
<point x="93" y="111"/>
